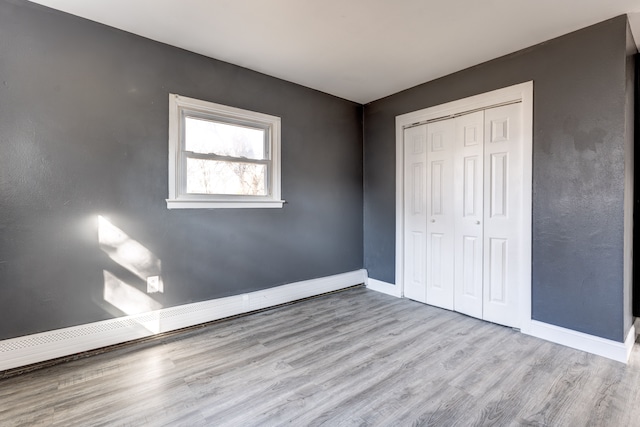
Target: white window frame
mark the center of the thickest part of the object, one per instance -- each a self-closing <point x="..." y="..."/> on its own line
<point x="179" y="108"/>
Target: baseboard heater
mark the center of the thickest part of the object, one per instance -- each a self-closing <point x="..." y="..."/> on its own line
<point x="46" y="346"/>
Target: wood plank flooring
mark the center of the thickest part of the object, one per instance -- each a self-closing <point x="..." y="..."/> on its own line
<point x="351" y="358"/>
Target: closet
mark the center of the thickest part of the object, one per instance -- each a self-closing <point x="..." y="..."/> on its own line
<point x="463" y="216"/>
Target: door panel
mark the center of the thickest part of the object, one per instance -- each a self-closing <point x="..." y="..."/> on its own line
<point x="499" y="177"/>
<point x="503" y="216"/>
<point x="497" y="270"/>
<point x="436" y="277"/>
<point x="471" y="187"/>
<point x="415" y="233"/>
<point x="437" y="192"/>
<point x="468" y="191"/>
<point x="440" y="136"/>
<point x="471" y="249"/>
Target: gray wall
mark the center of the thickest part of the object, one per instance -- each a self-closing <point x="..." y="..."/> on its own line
<point x="578" y="171"/>
<point x="629" y="176"/>
<point x="83" y="132"/>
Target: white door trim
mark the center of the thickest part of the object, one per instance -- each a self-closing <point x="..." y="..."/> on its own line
<point x="521" y="92"/>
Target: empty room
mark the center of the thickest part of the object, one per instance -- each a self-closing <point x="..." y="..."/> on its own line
<point x="286" y="212"/>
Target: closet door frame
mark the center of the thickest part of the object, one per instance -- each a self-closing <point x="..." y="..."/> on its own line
<point x="518" y="93"/>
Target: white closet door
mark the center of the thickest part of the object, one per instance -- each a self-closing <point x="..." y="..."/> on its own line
<point x="415" y="214"/>
<point x="468" y="182"/>
<point x="440" y="218"/>
<point x="503" y="159"/>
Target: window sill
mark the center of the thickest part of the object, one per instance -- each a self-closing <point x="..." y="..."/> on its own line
<point x="223" y="204"/>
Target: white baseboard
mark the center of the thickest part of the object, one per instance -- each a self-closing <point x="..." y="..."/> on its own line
<point x="26" y="350"/>
<point x="630" y="341"/>
<point x="383" y="287"/>
<point x="591" y="344"/>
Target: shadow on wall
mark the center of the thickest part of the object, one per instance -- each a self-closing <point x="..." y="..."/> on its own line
<point x="141" y="263"/>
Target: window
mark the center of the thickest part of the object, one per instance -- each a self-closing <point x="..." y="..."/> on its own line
<point x="222" y="157"/>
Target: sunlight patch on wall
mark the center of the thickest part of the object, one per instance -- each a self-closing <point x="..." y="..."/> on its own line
<point x="129" y="253"/>
<point x="127" y="298"/>
<point x="130" y="301"/>
<point x="139" y="261"/>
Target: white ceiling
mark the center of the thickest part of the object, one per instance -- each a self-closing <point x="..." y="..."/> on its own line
<point x="359" y="50"/>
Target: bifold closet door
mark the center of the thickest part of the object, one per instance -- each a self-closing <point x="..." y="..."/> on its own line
<point x="468" y="221"/>
<point x="440" y="208"/>
<point x="428" y="207"/>
<point x="415" y="215"/>
<point x="463" y="215"/>
<point x="503" y="240"/>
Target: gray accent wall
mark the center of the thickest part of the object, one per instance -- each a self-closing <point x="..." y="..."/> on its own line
<point x="629" y="176"/>
<point x="578" y="172"/>
<point x="84" y="132"/>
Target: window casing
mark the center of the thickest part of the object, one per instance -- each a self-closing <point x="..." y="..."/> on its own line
<point x="222" y="157"/>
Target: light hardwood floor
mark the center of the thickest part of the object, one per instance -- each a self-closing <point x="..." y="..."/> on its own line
<point x="351" y="358"/>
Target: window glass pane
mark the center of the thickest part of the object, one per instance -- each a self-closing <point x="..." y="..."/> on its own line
<point x="217" y="177"/>
<point x="223" y="139"/>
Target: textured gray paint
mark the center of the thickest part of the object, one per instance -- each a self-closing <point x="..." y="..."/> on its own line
<point x="578" y="171"/>
<point x="83" y="132"/>
<point x="629" y="168"/>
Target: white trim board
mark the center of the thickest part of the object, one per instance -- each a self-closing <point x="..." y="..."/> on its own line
<point x="383" y="287"/>
<point x="580" y="341"/>
<point x="26" y="350"/>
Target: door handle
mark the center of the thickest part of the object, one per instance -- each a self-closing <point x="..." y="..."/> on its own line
<point x="478" y="222"/>
<point x="433" y="220"/>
